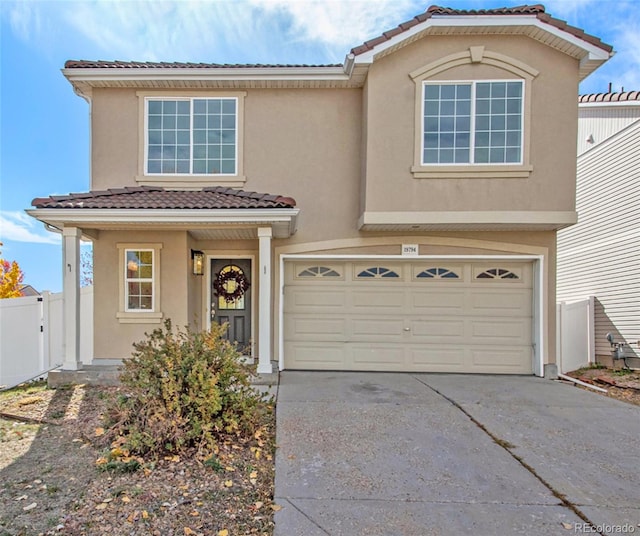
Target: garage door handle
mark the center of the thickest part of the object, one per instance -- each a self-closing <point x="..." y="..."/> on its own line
<point x="407" y="329"/>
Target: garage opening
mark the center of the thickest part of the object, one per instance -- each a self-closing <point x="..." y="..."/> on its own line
<point x="415" y="316"/>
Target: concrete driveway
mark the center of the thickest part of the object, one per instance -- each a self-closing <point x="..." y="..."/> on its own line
<point x="423" y="454"/>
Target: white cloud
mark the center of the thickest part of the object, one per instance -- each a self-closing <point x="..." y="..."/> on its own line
<point x="569" y="9"/>
<point x="19" y="227"/>
<point x="24" y="18"/>
<point x="621" y="29"/>
<point x="275" y="31"/>
<point x="628" y="68"/>
<point x="340" y="23"/>
<point x="242" y="31"/>
<point x="157" y="30"/>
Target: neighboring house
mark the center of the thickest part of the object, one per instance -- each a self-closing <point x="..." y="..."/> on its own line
<point x="600" y="256"/>
<point x="430" y="172"/>
<point x="28" y="290"/>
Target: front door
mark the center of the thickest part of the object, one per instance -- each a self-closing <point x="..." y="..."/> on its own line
<point x="231" y="299"/>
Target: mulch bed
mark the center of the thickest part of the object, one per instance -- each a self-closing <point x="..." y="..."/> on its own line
<point x="621" y="384"/>
<point x="50" y="482"/>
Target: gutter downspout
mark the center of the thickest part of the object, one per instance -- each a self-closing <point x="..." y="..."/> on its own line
<point x="583" y="384"/>
<point x="349" y="63"/>
<point x="52" y="229"/>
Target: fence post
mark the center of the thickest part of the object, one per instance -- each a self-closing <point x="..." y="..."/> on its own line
<point x="44" y="329"/>
<point x="591" y="329"/>
<point x="559" y="336"/>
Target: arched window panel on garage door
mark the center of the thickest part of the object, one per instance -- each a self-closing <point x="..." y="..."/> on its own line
<point x="319" y="271"/>
<point x="494" y="273"/>
<point x="377" y="272"/>
<point x="437" y="273"/>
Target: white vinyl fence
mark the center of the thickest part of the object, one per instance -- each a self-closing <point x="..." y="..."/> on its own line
<point x="31" y="334"/>
<point x="575" y="344"/>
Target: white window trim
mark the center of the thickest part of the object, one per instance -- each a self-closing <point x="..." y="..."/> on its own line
<point x="190" y="179"/>
<point x="138" y="316"/>
<point x="433" y="73"/>
<point x="472" y="126"/>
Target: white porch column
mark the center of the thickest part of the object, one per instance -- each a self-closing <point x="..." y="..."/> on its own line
<point x="264" y="312"/>
<point x="71" y="298"/>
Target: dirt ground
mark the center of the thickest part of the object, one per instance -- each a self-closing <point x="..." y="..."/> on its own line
<point x="50" y="482"/>
<point x="622" y="384"/>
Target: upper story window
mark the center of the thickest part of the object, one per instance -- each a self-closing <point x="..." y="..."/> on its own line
<point x="472" y="122"/>
<point x="191" y="136"/>
<point x="473" y="128"/>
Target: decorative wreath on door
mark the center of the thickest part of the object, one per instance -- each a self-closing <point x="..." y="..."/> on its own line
<point x="231" y="292"/>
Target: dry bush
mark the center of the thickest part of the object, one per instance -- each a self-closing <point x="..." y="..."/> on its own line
<point x="182" y="390"/>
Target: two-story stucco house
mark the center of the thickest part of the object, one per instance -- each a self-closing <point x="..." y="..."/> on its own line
<point x="407" y="207"/>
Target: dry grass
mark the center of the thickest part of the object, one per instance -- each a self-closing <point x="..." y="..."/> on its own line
<point x="50" y="483"/>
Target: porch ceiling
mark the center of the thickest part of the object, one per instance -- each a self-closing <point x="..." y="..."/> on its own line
<point x="220" y="224"/>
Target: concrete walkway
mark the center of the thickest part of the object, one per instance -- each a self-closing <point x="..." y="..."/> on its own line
<point x="435" y="454"/>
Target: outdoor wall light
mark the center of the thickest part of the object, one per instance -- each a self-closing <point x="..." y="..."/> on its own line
<point x="198" y="262"/>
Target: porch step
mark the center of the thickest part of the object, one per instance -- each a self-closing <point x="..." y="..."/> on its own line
<point x="89" y="375"/>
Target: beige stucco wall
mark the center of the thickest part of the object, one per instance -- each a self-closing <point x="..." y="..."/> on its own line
<point x="184" y="297"/>
<point x="114" y="138"/>
<point x="339" y="151"/>
<point x="113" y="339"/>
<point x="390" y="112"/>
<point x="300" y="143"/>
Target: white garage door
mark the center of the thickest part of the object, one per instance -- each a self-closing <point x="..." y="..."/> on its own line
<point x="408" y="316"/>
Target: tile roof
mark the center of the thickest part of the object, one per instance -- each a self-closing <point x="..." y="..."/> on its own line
<point x="536" y="10"/>
<point x="117" y="64"/>
<point x="610" y="97"/>
<point x="152" y="197"/>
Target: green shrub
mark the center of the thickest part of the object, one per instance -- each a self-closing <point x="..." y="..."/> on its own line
<point x="182" y="390"/>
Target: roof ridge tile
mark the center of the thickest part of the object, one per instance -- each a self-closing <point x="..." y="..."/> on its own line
<point x="618" y="96"/>
<point x="146" y="197"/>
<point x="119" y="64"/>
<point x="536" y="10"/>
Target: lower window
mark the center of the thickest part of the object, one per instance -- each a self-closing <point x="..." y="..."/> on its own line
<point x="139" y="274"/>
<point x="139" y="280"/>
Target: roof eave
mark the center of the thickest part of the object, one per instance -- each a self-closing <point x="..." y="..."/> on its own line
<point x="85" y="78"/>
<point x="593" y="56"/>
<point x="282" y="220"/>
<point x="609" y="104"/>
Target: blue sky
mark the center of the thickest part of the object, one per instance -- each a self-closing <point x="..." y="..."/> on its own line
<point x="44" y="126"/>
